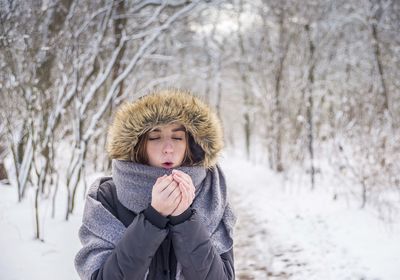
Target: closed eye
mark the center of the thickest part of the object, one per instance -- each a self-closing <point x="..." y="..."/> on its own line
<point x="154" y="138"/>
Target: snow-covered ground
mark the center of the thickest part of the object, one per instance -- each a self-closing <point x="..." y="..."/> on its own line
<point x="287" y="232"/>
<point x="284" y="231"/>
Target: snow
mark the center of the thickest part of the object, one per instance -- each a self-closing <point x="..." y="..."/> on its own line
<point x="25" y="258"/>
<point x="308" y="235"/>
<point x="284" y="231"/>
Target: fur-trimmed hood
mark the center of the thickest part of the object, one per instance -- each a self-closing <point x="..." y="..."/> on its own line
<point x="162" y="107"/>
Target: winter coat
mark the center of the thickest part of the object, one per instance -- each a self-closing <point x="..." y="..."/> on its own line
<point x="152" y="244"/>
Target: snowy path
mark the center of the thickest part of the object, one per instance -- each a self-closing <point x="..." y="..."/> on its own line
<point x="289" y="234"/>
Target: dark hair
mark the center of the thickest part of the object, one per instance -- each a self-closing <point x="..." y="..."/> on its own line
<point x="139" y="153"/>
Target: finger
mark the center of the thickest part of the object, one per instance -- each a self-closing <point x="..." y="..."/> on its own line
<point x="190" y="193"/>
<point x="170" y="188"/>
<point x="185" y="194"/>
<point x="186" y="178"/>
<point x="173" y="184"/>
<point x="180" y="180"/>
<point x="188" y="183"/>
<point x="182" y="174"/>
<point x="178" y="198"/>
<point x="189" y="199"/>
<point x="187" y="188"/>
<point x="158" y="180"/>
<point x="175" y="193"/>
<point x="190" y="188"/>
<point x="177" y="202"/>
<point x="164" y="183"/>
<point x="157" y="186"/>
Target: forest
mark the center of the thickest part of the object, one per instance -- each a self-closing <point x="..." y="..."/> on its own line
<point x="304" y="87"/>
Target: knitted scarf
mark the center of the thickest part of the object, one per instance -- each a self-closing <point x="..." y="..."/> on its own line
<point x="134" y="184"/>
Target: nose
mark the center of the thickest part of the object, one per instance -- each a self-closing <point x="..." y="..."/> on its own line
<point x="168" y="147"/>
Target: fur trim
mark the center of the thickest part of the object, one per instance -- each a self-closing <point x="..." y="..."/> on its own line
<point x="162" y="107"/>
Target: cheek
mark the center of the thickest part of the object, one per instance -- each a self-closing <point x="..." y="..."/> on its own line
<point x="182" y="149"/>
<point x="151" y="150"/>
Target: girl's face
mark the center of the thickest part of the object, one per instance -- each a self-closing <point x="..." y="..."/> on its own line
<point x="166" y="146"/>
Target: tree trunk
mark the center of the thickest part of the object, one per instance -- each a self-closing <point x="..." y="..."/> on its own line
<point x="310" y="108"/>
<point x="37" y="223"/>
<point x="378" y="58"/>
<point x="277" y="114"/>
<point x="3" y="172"/>
<point x="243" y="71"/>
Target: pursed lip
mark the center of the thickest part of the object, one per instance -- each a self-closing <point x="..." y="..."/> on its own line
<point x="167" y="164"/>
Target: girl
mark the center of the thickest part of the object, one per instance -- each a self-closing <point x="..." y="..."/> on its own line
<point x="164" y="212"/>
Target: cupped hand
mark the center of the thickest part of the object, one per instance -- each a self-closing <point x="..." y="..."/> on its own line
<point x="187" y="189"/>
<point x="166" y="195"/>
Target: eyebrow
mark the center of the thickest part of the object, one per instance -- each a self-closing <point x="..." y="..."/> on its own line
<point x="173" y="130"/>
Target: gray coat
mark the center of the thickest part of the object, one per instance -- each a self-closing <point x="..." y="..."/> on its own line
<point x="156" y="247"/>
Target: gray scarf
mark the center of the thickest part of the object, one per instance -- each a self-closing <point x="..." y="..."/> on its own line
<point x="134" y="184"/>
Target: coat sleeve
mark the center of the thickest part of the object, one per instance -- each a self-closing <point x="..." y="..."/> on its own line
<point x="196" y="254"/>
<point x="132" y="255"/>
